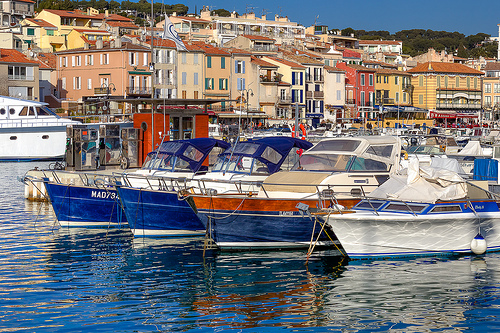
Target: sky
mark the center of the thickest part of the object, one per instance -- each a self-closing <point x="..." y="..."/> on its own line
<point x="465" y="16"/>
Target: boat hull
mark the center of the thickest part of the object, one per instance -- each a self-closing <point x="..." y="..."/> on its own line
<point x="158" y="213"/>
<point x="388" y="235"/>
<point x="32" y="143"/>
<point x="250" y="223"/>
<point x="85" y="206"/>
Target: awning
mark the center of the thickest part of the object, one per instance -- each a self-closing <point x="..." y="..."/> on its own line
<point x="139" y="72"/>
<point x="451" y="115"/>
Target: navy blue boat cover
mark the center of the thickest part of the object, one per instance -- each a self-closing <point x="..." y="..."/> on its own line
<point x="255" y="149"/>
<point x="181" y="149"/>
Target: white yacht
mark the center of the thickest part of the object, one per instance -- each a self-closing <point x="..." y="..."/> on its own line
<point x="29" y="130"/>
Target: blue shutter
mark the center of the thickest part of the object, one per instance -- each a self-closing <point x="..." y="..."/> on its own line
<point x="321" y="106"/>
<point x="301" y="95"/>
<point x="236" y="66"/>
<point x="242" y="84"/>
<point x="293" y="78"/>
<point x="238" y="84"/>
<point x="243" y="67"/>
<point x="293" y="96"/>
<point x="301" y="78"/>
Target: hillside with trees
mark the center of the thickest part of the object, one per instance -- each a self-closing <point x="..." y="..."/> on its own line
<point x="418" y="41"/>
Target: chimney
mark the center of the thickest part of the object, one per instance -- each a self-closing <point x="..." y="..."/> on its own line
<point x="86" y="46"/>
<point x="118" y="42"/>
<point x="233" y="14"/>
<point x="174" y="14"/>
<point x="106" y="13"/>
<point x="99" y="44"/>
<point x="264" y="17"/>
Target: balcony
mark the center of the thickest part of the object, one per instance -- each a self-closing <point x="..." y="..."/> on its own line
<point x="265" y="48"/>
<point x="102" y="91"/>
<point x="285" y="100"/>
<point x="267" y="79"/>
<point x="385" y="101"/>
<point x="458" y="106"/>
<point x="350" y="101"/>
<point x="139" y="91"/>
<point x="314" y="78"/>
<point x="319" y="94"/>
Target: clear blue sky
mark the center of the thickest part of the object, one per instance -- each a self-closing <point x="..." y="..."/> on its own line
<point x="465" y="16"/>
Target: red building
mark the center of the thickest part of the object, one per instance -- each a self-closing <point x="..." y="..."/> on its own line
<point x="360" y="89"/>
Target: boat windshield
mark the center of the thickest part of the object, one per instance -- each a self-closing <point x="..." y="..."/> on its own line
<point x="347" y="145"/>
<point x="425" y="150"/>
<point x="239" y="164"/>
<point x="338" y="163"/>
<point x="164" y="161"/>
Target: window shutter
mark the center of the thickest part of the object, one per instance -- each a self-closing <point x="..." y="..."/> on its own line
<point x="301" y="95"/>
<point x="73" y="61"/>
<point x="89" y="84"/>
<point x="242" y="84"/>
<point x="301" y="78"/>
<point x="74" y="82"/>
<point x="236" y="66"/>
<point x="293" y="78"/>
<point x="243" y="67"/>
<point x="101" y="58"/>
<point x="220" y="84"/>
<point x="86" y="60"/>
<point x="60" y="61"/>
<point x="238" y="84"/>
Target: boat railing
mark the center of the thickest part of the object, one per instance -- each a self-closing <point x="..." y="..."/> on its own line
<point x="155" y="182"/>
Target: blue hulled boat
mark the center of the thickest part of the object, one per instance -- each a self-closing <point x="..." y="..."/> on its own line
<point x="157" y="211"/>
<point x="91" y="199"/>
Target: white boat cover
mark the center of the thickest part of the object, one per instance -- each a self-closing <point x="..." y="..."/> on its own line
<point x="472" y="148"/>
<point x="422" y="184"/>
<point x="448" y="164"/>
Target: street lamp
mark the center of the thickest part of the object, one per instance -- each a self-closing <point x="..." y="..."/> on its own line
<point x="107" y="86"/>
<point x="249" y="92"/>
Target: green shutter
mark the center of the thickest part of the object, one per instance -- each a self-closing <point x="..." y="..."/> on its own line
<point x="209" y="62"/>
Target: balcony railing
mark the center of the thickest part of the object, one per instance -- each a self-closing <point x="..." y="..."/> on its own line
<point x="285" y="100"/>
<point x="265" y="48"/>
<point x="139" y="91"/>
<point x="266" y="79"/>
<point x="102" y="91"/>
<point x="314" y="78"/>
<point x="319" y="94"/>
<point x="385" y="101"/>
<point x="350" y="101"/>
<point x="460" y="106"/>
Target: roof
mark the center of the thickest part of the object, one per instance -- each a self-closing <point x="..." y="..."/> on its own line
<point x="107" y="47"/>
<point x="333" y="69"/>
<point x="492" y="66"/>
<point x="350" y="54"/>
<point x="41" y="23"/>
<point x="10" y="55"/>
<point x="122" y="24"/>
<point x="69" y="13"/>
<point x="239" y="51"/>
<point x="95" y="31"/>
<point x="443" y="67"/>
<point x="380" y="42"/>
<point x="303" y="59"/>
<point x="287" y="63"/>
<point x="390" y="71"/>
<point x="258" y="37"/>
<point x="191" y="19"/>
<point x="263" y="63"/>
<point x="360" y="68"/>
<point x="111" y="17"/>
<point x="211" y="50"/>
<point x="29" y="1"/>
<point x="47" y="59"/>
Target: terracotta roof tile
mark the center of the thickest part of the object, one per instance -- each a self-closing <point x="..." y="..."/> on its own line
<point x="192" y="19"/>
<point x="69" y="13"/>
<point x="41" y="23"/>
<point x="258" y="37"/>
<point x="263" y="63"/>
<point x="333" y="69"/>
<point x="443" y="67"/>
<point x="9" y="55"/>
<point x="287" y="62"/>
<point x="48" y="59"/>
<point x="211" y="50"/>
<point x="122" y="24"/>
<point x="390" y="71"/>
<point x="492" y="66"/>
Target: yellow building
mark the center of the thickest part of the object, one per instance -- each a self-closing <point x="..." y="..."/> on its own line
<point x="448" y="90"/>
<point x="190" y="77"/>
<point x="41" y="35"/>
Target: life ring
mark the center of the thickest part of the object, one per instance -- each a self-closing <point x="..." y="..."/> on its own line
<point x="302" y="128"/>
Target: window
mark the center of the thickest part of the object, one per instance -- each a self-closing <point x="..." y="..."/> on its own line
<point x="240" y="84"/>
<point x="21" y="73"/>
<point x="420" y="99"/>
<point x="475" y="83"/>
<point x="445" y="81"/>
<point x="77" y="83"/>
<point x="496" y="88"/>
<point x="339" y="95"/>
<point x="195" y="58"/>
<point x="50" y="32"/>
<point x="89" y="84"/>
<point x="362" y="79"/>
<point x="339" y="77"/>
<point x="396" y="80"/>
<point x="362" y="98"/>
<point x="397" y="96"/>
<point x="421" y="81"/>
<point x="209" y="83"/>
<point x="468" y="82"/>
<point x="89" y="60"/>
<point x="63" y="83"/>
<point x="133" y="58"/>
<point x="370" y="79"/>
<point x="438" y="81"/>
<point x="209" y="62"/>
<point x="222" y="62"/>
<point x="222" y="84"/>
<point x="78" y="60"/>
<point x="104" y="59"/>
<point x="144" y="59"/>
<point x="378" y="78"/>
<point x="30" y="32"/>
<point x="487" y="100"/>
<point x="183" y="57"/>
<point x="386" y="79"/>
<point x="184" y="78"/>
<point x="239" y="66"/>
<point x="195" y="79"/>
<point x="457" y="82"/>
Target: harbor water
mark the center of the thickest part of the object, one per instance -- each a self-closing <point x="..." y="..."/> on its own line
<point x="55" y="279"/>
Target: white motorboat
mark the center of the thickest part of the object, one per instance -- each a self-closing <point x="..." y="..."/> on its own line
<point x="29" y="130"/>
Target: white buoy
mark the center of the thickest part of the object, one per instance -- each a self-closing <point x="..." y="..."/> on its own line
<point x="478" y="244"/>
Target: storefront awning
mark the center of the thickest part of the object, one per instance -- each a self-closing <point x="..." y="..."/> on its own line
<point x="451" y="115"/>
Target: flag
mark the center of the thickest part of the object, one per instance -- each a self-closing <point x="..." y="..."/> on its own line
<point x="170" y="33"/>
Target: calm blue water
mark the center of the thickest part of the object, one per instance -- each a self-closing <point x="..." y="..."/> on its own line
<point x="55" y="279"/>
